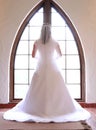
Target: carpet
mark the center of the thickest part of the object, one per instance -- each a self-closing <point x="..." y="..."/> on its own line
<point x="12" y="125"/>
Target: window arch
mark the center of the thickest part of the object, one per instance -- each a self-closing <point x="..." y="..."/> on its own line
<point x="74" y="65"/>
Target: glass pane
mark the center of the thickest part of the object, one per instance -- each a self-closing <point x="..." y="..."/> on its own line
<point x="74" y="90"/>
<point x="73" y="62"/>
<point x="55" y="15"/>
<point x="21" y="77"/>
<point x="22" y="47"/>
<point x="21" y="62"/>
<point x="73" y="76"/>
<point x="58" y="33"/>
<point x="69" y="35"/>
<point x="37" y="19"/>
<point x="35" y="33"/>
<point x="20" y="91"/>
<point x="71" y="47"/>
<point x="25" y="34"/>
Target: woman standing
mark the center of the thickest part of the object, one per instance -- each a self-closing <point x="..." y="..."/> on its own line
<point x="48" y="98"/>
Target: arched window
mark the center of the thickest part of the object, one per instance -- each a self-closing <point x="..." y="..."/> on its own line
<point x="22" y="65"/>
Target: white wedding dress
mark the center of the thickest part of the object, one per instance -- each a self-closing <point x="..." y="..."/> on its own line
<point x="47" y="99"/>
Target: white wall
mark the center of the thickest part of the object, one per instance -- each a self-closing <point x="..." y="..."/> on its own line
<point x="83" y="16"/>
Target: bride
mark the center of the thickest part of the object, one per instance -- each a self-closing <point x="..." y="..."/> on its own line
<point x="47" y="99"/>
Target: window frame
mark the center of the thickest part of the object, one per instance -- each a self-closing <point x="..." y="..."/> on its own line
<point x="47" y="4"/>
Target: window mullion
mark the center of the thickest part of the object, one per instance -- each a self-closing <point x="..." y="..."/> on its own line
<point x="47" y="12"/>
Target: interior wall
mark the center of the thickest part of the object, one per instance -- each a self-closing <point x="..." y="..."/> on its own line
<point x="82" y="14"/>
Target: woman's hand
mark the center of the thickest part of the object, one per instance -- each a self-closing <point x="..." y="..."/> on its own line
<point x="34" y="50"/>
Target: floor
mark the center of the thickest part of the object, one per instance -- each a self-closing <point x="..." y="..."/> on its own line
<point x="91" y="121"/>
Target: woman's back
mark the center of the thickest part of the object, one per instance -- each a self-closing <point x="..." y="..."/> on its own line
<point x="47" y="99"/>
<point x="47" y="52"/>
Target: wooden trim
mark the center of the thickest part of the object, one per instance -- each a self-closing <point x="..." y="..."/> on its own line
<point x="88" y="105"/>
<point x="9" y="105"/>
<point x="83" y="104"/>
<point x="47" y="12"/>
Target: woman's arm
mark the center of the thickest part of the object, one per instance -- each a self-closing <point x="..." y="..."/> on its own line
<point x="58" y="50"/>
<point x="34" y="50"/>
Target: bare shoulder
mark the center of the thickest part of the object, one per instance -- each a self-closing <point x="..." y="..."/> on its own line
<point x="37" y="42"/>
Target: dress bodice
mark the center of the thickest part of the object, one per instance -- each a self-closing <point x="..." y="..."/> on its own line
<point x="47" y="52"/>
